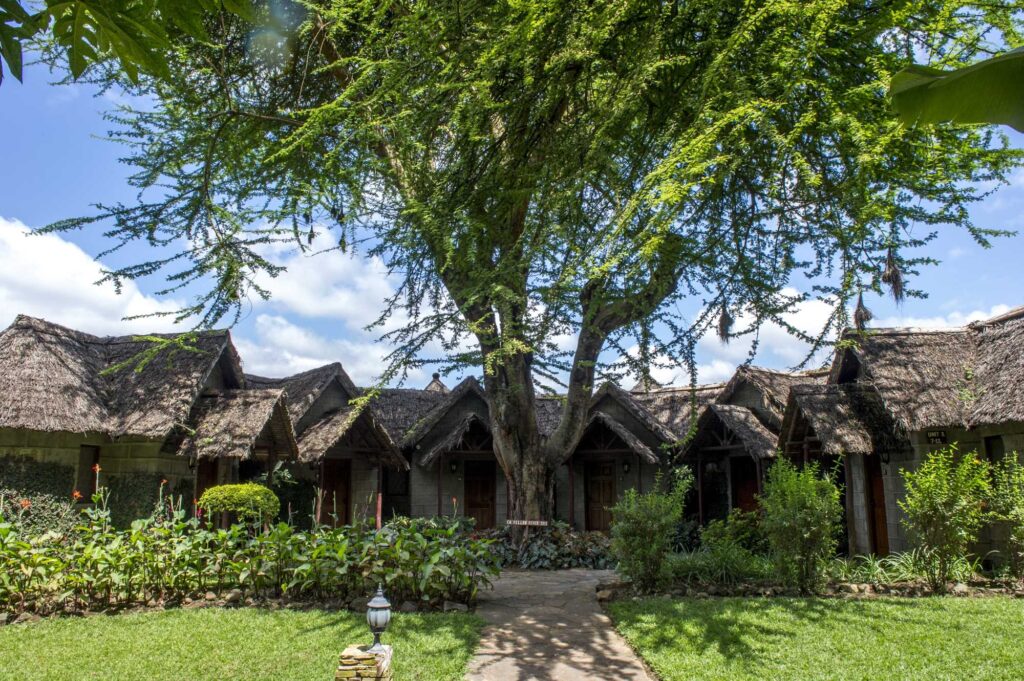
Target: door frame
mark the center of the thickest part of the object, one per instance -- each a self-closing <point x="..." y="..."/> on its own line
<point x="588" y="475"/>
<point x="491" y="478"/>
<point x="877" y="514"/>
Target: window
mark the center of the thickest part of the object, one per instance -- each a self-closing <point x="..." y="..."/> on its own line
<point x="88" y="456"/>
<point x="995" y="450"/>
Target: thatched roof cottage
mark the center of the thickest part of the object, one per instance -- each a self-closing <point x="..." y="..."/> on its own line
<point x="63" y="413"/>
<point x="892" y="395"/>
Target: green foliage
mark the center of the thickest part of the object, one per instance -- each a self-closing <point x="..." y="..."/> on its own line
<point x="720" y="563"/>
<point x="132" y="496"/>
<point x="643" y="529"/>
<point x="137" y="34"/>
<point x="1008" y="508"/>
<point x="30" y="477"/>
<point x="742" y="528"/>
<point x="172" y="555"/>
<point x="599" y="162"/>
<point x="986" y="92"/>
<point x="801" y="520"/>
<point x="556" y="547"/>
<point x="36" y="515"/>
<point x="908" y="566"/>
<point x="248" y="500"/>
<point x="945" y="507"/>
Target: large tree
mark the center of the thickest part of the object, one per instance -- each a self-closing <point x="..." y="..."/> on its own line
<point x="532" y="169"/>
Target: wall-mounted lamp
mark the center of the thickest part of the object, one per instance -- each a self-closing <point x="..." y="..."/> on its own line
<point x="625" y="468"/>
<point x="453" y="466"/>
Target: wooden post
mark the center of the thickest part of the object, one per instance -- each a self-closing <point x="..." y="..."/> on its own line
<point x="572" y="493"/>
<point x="700" y="490"/>
<point x="320" y="497"/>
<point x="380" y="492"/>
<point x="440" y="466"/>
<point x="639" y="477"/>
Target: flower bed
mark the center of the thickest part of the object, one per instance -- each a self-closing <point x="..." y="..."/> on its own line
<point x="174" y="555"/>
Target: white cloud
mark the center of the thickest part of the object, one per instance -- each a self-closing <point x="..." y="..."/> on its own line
<point x="46" y="276"/>
<point x="331" y="285"/>
<point x="953" y="319"/>
<point x="282" y="348"/>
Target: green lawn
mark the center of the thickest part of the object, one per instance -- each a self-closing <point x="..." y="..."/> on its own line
<point x="778" y="639"/>
<point x="229" y="644"/>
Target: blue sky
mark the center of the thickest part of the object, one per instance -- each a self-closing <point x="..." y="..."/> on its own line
<point x="54" y="164"/>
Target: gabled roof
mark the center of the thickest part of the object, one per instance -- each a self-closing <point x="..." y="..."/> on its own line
<point x="400" y="409"/>
<point x="332" y="427"/>
<point x="921" y="376"/>
<point x="52" y="380"/>
<point x="229" y="424"/>
<point x="304" y="388"/>
<point x="635" y="407"/>
<point x="676" y="408"/>
<point x="846" y="418"/>
<point x="634" y="443"/>
<point x="756" y="438"/>
<point x="468" y="387"/>
<point x="996" y="394"/>
<point x="774" y="385"/>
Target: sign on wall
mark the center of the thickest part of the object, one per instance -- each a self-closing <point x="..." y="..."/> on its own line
<point x="936" y="437"/>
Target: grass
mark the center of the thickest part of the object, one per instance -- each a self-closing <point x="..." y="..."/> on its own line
<point x="239" y="643"/>
<point x="792" y="638"/>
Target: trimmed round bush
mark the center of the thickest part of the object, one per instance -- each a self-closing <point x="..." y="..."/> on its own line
<point x="247" y="500"/>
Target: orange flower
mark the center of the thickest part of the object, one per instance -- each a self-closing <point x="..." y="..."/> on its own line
<point x="26" y="504"/>
<point x="163" y="482"/>
<point x="96" y="468"/>
<point x="76" y="495"/>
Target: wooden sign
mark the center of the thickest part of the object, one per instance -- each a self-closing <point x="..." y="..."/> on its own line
<point x="528" y="523"/>
<point x="936" y="437"/>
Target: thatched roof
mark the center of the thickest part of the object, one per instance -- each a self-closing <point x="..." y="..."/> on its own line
<point x="333" y="427"/>
<point x="774" y="385"/>
<point x="453" y="437"/>
<point x="676" y="408"/>
<point x="304" y="388"/>
<point x="997" y="391"/>
<point x="400" y="409"/>
<point x="846" y="418"/>
<point x="51" y="378"/>
<point x="758" y="441"/>
<point x="230" y="423"/>
<point x="634" y="443"/>
<point x="469" y="387"/>
<point x="920" y="375"/>
<point x="636" y="408"/>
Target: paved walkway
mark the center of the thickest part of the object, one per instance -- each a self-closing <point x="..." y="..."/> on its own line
<point x="548" y="625"/>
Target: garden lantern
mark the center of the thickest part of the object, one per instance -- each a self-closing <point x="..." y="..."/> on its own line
<point x="378" y="614"/>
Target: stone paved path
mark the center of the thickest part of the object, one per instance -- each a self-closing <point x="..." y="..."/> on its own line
<point x="548" y="625"/>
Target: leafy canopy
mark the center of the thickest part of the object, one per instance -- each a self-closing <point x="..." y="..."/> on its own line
<point x="531" y="169"/>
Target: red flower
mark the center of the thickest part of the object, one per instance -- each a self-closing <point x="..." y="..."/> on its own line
<point x="76" y="495"/>
<point x="26" y="504"/>
<point x="96" y="468"/>
<point x="163" y="482"/>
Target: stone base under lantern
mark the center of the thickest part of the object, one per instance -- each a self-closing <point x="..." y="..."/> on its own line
<point x="358" y="664"/>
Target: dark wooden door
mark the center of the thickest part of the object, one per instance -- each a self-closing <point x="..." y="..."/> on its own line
<point x="206" y="475"/>
<point x="481" y="493"/>
<point x="600" y="494"/>
<point x="876" y="506"/>
<point x="744" y="483"/>
<point x="335" y="481"/>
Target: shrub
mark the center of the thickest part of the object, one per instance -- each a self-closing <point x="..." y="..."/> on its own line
<point x="556" y="547"/>
<point x="721" y="564"/>
<point x="1008" y="508"/>
<point x="643" y="529"/>
<point x="36" y="515"/>
<point x="801" y="520"/>
<point x="944" y="505"/>
<point x="101" y="566"/>
<point x="740" y="527"/>
<point x="249" y="501"/>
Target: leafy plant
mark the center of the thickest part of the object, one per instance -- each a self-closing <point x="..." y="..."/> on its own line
<point x="1008" y="508"/>
<point x="643" y="529"/>
<point x="248" y="500"/>
<point x="945" y="507"/>
<point x="740" y="527"/>
<point x="717" y="563"/>
<point x="556" y="547"/>
<point x="801" y="520"/>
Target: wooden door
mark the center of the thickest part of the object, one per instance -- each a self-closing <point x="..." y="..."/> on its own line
<point x="480" y="492"/>
<point x="335" y="481"/>
<point x="876" y="506"/>
<point x="206" y="475"/>
<point x="744" y="483"/>
<point x="600" y="494"/>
